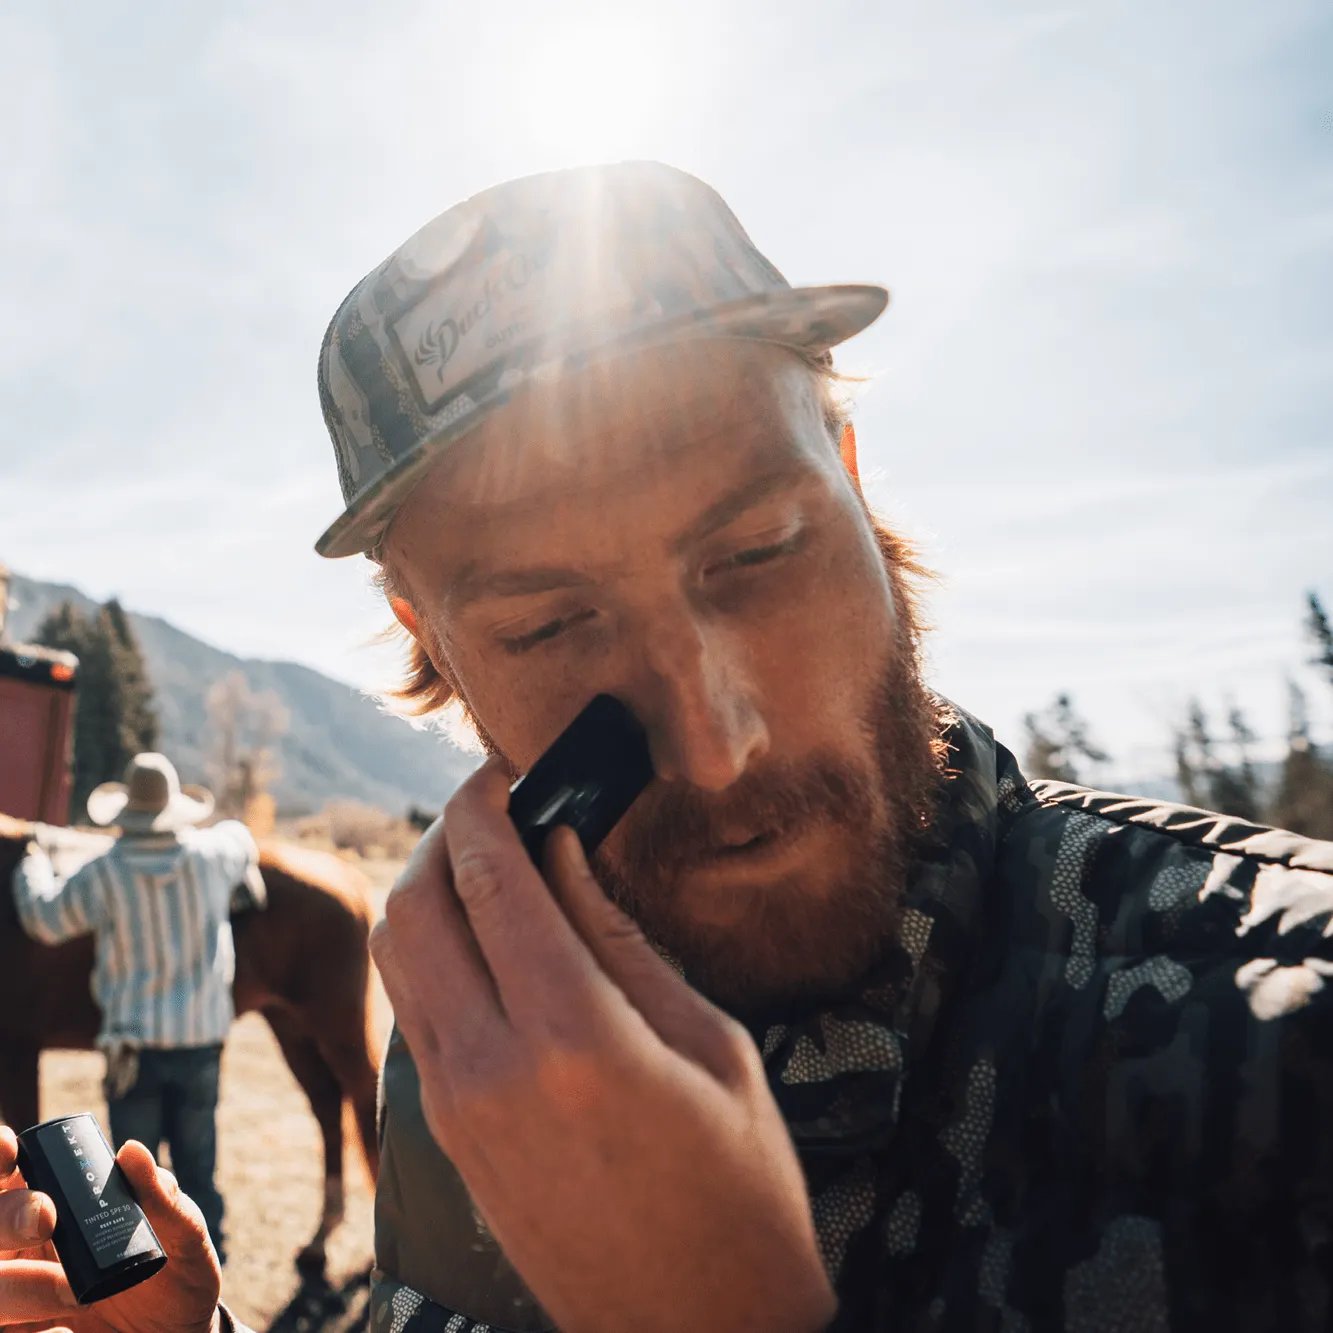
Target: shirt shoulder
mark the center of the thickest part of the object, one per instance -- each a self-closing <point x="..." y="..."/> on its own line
<point x="228" y="837"/>
<point x="226" y="855"/>
<point x="1208" y="831"/>
<point x="1139" y="845"/>
<point x="1160" y="889"/>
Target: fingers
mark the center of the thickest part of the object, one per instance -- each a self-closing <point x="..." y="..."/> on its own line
<point x="428" y="959"/>
<point x="680" y="1016"/>
<point x="475" y="948"/>
<point x="173" y="1215"/>
<point x="537" y="960"/>
<point x="27" y="1218"/>
<point x="9" y="1152"/>
<point x="423" y="903"/>
<point x="407" y="1012"/>
<point x="33" y="1290"/>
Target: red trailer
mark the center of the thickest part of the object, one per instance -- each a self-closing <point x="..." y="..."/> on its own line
<point x="36" y="731"/>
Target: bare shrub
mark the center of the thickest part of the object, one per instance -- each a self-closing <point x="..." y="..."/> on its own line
<point x="243" y="726"/>
<point x="352" y="826"/>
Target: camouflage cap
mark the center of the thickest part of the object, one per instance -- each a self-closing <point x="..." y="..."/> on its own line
<point x="529" y="280"/>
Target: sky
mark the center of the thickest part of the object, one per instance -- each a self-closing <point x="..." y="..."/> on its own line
<point x="1101" y="398"/>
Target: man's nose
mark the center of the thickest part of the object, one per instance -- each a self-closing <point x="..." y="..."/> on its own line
<point x="698" y="702"/>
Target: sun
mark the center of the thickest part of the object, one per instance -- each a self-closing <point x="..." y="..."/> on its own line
<point x="596" y="92"/>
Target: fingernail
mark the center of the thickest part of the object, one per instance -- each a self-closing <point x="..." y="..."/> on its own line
<point x="30" y="1220"/>
<point x="575" y="860"/>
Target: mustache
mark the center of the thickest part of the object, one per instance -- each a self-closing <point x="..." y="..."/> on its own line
<point x="674" y="826"/>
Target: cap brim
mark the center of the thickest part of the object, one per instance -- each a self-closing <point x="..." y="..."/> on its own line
<point x="805" y="319"/>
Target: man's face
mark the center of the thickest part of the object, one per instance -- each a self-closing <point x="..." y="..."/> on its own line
<point x="676" y="528"/>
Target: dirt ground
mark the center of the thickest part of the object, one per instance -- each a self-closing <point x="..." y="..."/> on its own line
<point x="270" y="1172"/>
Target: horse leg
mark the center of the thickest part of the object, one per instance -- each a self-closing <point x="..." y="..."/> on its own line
<point x="343" y="1024"/>
<point x="18" y="1083"/>
<point x="326" y="1098"/>
<point x="354" y="1066"/>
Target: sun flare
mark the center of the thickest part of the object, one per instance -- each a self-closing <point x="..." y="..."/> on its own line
<point x="599" y="91"/>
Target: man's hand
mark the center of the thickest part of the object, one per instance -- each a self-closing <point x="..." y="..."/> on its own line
<point x="181" y="1298"/>
<point x="613" y="1127"/>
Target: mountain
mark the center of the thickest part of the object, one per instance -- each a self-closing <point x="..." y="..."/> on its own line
<point x="339" y="742"/>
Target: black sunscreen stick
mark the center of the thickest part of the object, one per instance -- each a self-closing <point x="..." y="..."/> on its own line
<point x="591" y="775"/>
<point x="102" y="1236"/>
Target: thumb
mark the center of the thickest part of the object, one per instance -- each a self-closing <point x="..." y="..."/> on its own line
<point x="172" y="1214"/>
<point x="680" y="1016"/>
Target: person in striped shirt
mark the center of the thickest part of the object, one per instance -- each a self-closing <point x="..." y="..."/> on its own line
<point x="159" y="902"/>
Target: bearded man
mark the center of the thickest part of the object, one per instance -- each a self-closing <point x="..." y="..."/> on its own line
<point x="847" y="1025"/>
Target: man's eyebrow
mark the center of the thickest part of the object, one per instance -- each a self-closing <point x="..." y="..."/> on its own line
<point x="471" y="585"/>
<point x="732" y="505"/>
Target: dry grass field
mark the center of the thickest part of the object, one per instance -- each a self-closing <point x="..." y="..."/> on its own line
<point x="269" y="1170"/>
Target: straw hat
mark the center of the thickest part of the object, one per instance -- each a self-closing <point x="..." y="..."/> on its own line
<point x="150" y="800"/>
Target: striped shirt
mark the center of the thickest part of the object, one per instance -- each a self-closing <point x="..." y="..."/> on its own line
<point x="159" y="907"/>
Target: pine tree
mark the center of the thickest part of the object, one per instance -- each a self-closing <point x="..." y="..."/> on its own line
<point x="1058" y="743"/>
<point x="137" y="719"/>
<point x="1304" y="798"/>
<point x="1205" y="778"/>
<point x="69" y="629"/>
<point x="1235" y="787"/>
<point x="1320" y="632"/>
<point x="1193" y="750"/>
<point x="64" y="628"/>
<point x="114" y="719"/>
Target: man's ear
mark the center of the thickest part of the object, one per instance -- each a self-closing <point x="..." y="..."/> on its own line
<point x="847" y="448"/>
<point x="407" y="618"/>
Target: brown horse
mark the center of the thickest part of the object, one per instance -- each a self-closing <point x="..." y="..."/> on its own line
<point x="303" y="962"/>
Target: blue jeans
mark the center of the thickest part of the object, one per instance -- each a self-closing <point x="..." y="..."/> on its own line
<point x="175" y="1098"/>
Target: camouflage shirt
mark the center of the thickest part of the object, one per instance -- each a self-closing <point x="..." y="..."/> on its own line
<point x="1092" y="1089"/>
